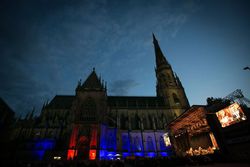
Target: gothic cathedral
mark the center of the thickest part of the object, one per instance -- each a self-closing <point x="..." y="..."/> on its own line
<point x="94" y="125"/>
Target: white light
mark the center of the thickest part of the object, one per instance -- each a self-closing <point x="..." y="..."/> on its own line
<point x="56" y="158"/>
<point x="167" y="139"/>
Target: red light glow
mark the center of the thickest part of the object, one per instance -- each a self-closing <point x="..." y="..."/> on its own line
<point x="92" y="154"/>
<point x="93" y="142"/>
<point x="71" y="154"/>
<point x="72" y="144"/>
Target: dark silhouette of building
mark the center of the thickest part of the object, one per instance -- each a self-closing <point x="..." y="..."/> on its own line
<point x="94" y="125"/>
<point x="6" y="122"/>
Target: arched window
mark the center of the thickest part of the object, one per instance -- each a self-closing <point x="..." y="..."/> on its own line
<point x="151" y="122"/>
<point x="132" y="121"/>
<point x="150" y="144"/>
<point x="162" y="144"/>
<point x="123" y="121"/>
<point x="163" y="118"/>
<point x="145" y="122"/>
<point x="137" y="144"/>
<point x="88" y="110"/>
<point x="137" y="121"/>
<point x="111" y="142"/>
<point x="125" y="142"/>
<point x="176" y="99"/>
<point x="168" y="77"/>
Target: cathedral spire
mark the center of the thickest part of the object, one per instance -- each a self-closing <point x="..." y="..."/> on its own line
<point x="159" y="57"/>
<point x="178" y="82"/>
<point x="154" y="39"/>
<point x="168" y="84"/>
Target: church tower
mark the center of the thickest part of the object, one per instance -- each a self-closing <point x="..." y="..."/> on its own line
<point x="89" y="108"/>
<point x="90" y="103"/>
<point x="168" y="84"/>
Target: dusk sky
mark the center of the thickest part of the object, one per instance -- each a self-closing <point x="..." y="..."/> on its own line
<point x="47" y="46"/>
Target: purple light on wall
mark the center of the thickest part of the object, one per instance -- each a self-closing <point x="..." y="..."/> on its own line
<point x="38" y="154"/>
<point x="164" y="154"/>
<point x="126" y="154"/>
<point x="107" y="142"/>
<point x="125" y="142"/>
<point x="41" y="146"/>
<point x="139" y="154"/>
<point x="151" y="154"/>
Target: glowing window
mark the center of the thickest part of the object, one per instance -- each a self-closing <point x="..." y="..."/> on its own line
<point x="166" y="139"/>
<point x="150" y="144"/>
<point x="137" y="144"/>
<point x="231" y="115"/>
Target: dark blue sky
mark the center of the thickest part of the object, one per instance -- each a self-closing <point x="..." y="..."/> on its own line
<point x="47" y="46"/>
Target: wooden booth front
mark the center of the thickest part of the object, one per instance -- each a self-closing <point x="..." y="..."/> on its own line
<point x="190" y="133"/>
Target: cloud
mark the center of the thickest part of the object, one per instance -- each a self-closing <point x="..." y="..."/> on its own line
<point x="122" y="87"/>
<point x="46" y="46"/>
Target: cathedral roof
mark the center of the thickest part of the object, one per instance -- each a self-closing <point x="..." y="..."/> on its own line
<point x="61" y="102"/>
<point x="136" y="102"/>
<point x="92" y="82"/>
<point x="65" y="102"/>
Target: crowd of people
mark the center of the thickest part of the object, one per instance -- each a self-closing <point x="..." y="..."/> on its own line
<point x="137" y="162"/>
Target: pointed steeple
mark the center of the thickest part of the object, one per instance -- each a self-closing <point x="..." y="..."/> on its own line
<point x="168" y="84"/>
<point x="159" y="57"/>
<point x="27" y="116"/>
<point x="178" y="81"/>
<point x="43" y="106"/>
<point x="105" y="87"/>
<point x="92" y="82"/>
<point x="32" y="113"/>
<point x="154" y="39"/>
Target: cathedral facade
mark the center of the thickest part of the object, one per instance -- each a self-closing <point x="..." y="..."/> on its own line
<point x="93" y="125"/>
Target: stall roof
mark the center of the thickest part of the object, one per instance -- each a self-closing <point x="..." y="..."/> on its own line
<point x="192" y="120"/>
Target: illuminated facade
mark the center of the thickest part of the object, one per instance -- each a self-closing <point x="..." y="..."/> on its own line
<point x="93" y="125"/>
